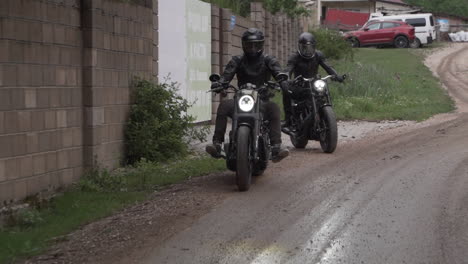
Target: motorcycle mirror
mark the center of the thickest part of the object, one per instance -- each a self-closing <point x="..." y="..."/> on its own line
<point x="215" y="77"/>
<point x="281" y="77"/>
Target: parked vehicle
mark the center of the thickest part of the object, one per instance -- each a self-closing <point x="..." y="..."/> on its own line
<point x="248" y="150"/>
<point x="381" y="33"/>
<point x="424" y="25"/>
<point x="313" y="117"/>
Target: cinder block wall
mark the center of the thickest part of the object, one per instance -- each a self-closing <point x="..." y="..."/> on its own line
<point x="281" y="33"/>
<point x="118" y="45"/>
<point x="41" y="117"/>
<point x="66" y="68"/>
<point x="65" y="73"/>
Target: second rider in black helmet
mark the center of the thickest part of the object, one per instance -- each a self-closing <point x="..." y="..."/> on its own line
<point x="256" y="68"/>
<point x="305" y="62"/>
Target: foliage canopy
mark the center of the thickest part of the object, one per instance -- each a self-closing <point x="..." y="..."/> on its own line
<point x="450" y="7"/>
<point x="242" y="7"/>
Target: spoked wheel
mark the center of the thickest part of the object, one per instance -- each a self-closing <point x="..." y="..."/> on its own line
<point x="329" y="133"/>
<point x="401" y="42"/>
<point x="244" y="163"/>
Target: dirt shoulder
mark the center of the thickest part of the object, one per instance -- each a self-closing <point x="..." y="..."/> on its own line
<point x="125" y="237"/>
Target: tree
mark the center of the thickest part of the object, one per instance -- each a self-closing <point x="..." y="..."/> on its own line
<point x="450" y="7"/>
<point x="290" y="7"/>
<point x="242" y="7"/>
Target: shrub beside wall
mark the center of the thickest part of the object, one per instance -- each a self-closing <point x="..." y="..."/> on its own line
<point x="159" y="123"/>
<point x="332" y="44"/>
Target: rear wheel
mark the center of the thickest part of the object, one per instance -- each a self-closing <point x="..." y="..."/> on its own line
<point x="329" y="133"/>
<point x="401" y="42"/>
<point x="415" y="44"/>
<point x="244" y="164"/>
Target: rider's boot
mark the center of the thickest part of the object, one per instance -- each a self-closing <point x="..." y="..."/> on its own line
<point x="278" y="153"/>
<point x="214" y="149"/>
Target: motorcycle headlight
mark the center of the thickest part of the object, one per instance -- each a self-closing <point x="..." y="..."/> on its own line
<point x="246" y="103"/>
<point x="320" y="85"/>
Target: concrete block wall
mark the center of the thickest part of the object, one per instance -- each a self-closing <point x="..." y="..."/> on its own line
<point x="41" y="117"/>
<point x="66" y="68"/>
<point x="281" y="34"/>
<point x="216" y="52"/>
<point x="118" y="45"/>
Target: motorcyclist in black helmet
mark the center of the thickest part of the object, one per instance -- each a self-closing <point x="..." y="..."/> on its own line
<point x="256" y="68"/>
<point x="305" y="61"/>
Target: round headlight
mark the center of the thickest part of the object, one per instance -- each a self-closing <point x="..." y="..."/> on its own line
<point x="246" y="103"/>
<point x="320" y="85"/>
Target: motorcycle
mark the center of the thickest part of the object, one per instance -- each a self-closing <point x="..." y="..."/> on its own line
<point x="248" y="150"/>
<point x="312" y="115"/>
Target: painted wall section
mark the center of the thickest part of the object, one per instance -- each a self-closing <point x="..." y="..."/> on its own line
<point x="185" y="51"/>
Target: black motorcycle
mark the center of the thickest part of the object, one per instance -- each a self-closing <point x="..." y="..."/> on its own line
<point x="248" y="150"/>
<point x="312" y="115"/>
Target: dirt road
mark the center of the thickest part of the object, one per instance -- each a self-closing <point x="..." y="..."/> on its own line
<point x="397" y="196"/>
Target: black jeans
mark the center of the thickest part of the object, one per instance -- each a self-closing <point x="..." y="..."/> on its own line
<point x="270" y="111"/>
<point x="287" y="106"/>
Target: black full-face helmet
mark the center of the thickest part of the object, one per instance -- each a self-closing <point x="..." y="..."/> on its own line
<point x="252" y="42"/>
<point x="306" y="45"/>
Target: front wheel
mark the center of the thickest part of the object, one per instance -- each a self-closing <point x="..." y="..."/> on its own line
<point x="299" y="142"/>
<point x="401" y="42"/>
<point x="354" y="42"/>
<point x="329" y="133"/>
<point x="244" y="163"/>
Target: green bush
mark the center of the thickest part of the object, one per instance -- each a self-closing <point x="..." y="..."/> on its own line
<point x="159" y="127"/>
<point x="332" y="44"/>
<point x="101" y="180"/>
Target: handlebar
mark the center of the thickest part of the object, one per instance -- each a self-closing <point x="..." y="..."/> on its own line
<point x="225" y="86"/>
<point x="302" y="79"/>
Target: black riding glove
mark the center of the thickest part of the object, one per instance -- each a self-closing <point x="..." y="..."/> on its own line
<point x="284" y="86"/>
<point x="338" y="78"/>
<point x="216" y="85"/>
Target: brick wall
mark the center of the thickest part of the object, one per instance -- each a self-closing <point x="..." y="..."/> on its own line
<point x="65" y="73"/>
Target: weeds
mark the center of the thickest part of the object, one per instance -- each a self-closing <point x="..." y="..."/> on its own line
<point x="98" y="194"/>
<point x="100" y="179"/>
<point x="25" y="218"/>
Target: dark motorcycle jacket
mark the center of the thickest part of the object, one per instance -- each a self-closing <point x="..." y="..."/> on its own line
<point x="256" y="71"/>
<point x="308" y="68"/>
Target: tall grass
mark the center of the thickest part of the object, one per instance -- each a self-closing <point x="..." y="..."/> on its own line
<point x="388" y="84"/>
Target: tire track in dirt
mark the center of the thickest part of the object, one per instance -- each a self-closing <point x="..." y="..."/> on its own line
<point x="453" y="71"/>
